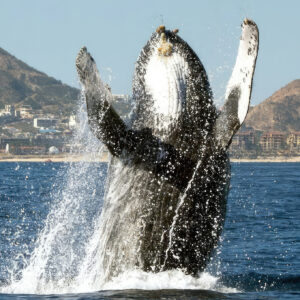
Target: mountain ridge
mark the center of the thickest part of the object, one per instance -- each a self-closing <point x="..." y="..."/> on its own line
<point x="22" y="84"/>
<point x="279" y="112"/>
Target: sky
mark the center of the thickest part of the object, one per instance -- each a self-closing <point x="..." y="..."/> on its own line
<point x="47" y="35"/>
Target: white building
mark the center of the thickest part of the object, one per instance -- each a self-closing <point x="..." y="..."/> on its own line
<point x="44" y="122"/>
<point x="73" y="122"/>
<point x="9" y="110"/>
<point x="26" y="112"/>
<point x="53" y="150"/>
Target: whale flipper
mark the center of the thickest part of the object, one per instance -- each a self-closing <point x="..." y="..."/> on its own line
<point x="239" y="87"/>
<point x="141" y="147"/>
<point x="104" y="121"/>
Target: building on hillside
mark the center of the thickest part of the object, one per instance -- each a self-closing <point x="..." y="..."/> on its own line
<point x="26" y="112"/>
<point x="14" y="141"/>
<point x="270" y="141"/>
<point x="44" y="123"/>
<point x="26" y="150"/>
<point x="12" y="145"/>
<point x="243" y="140"/>
<point x="9" y="110"/>
<point x="293" y="141"/>
<point x="17" y="114"/>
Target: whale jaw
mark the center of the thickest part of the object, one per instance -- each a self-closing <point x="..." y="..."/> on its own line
<point x="165" y="83"/>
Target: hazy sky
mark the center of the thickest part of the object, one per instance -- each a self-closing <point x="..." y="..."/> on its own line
<point x="47" y="35"/>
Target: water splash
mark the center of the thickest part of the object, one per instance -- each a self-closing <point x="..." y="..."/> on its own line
<point x="61" y="244"/>
<point x="175" y="279"/>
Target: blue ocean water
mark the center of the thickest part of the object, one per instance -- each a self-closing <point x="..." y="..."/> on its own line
<point x="258" y="253"/>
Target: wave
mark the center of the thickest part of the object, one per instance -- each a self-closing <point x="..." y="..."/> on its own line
<point x="174" y="279"/>
<point x="129" y="280"/>
<point x="253" y="281"/>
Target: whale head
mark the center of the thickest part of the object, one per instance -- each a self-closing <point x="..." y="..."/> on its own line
<point x="170" y="86"/>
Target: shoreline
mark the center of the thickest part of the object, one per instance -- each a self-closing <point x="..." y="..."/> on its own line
<point x="56" y="158"/>
<point x="279" y="159"/>
<point x="104" y="158"/>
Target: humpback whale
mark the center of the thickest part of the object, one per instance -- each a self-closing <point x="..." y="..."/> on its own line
<point x="169" y="171"/>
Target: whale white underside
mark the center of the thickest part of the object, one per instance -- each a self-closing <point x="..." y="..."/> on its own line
<point x="165" y="82"/>
<point x="243" y="70"/>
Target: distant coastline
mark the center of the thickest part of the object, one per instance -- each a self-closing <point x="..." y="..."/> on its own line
<point x="104" y="158"/>
<point x="278" y="159"/>
<point x="54" y="158"/>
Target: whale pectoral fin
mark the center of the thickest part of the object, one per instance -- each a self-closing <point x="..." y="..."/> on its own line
<point x="239" y="88"/>
<point x="105" y="123"/>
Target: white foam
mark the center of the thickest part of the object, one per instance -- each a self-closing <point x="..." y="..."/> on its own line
<point x="174" y="279"/>
<point x="131" y="279"/>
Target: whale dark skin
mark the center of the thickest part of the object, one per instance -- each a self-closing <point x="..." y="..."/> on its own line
<point x="169" y="173"/>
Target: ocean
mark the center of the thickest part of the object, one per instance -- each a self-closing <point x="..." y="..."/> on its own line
<point x="48" y="220"/>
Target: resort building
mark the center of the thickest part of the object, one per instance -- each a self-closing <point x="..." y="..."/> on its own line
<point x="44" y="123"/>
<point x="26" y="112"/>
<point x="9" y="110"/>
<point x="293" y="141"/>
<point x="272" y="140"/>
<point x="243" y="140"/>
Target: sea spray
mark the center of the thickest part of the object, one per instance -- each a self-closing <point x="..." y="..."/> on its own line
<point x="76" y="204"/>
<point x="174" y="279"/>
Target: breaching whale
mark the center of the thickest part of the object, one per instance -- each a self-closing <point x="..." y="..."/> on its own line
<point x="169" y="172"/>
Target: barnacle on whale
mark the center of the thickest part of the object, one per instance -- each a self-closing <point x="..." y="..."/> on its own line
<point x="165" y="47"/>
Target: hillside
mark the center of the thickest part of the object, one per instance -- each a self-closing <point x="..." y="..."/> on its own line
<point x="280" y="112"/>
<point x="21" y="84"/>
